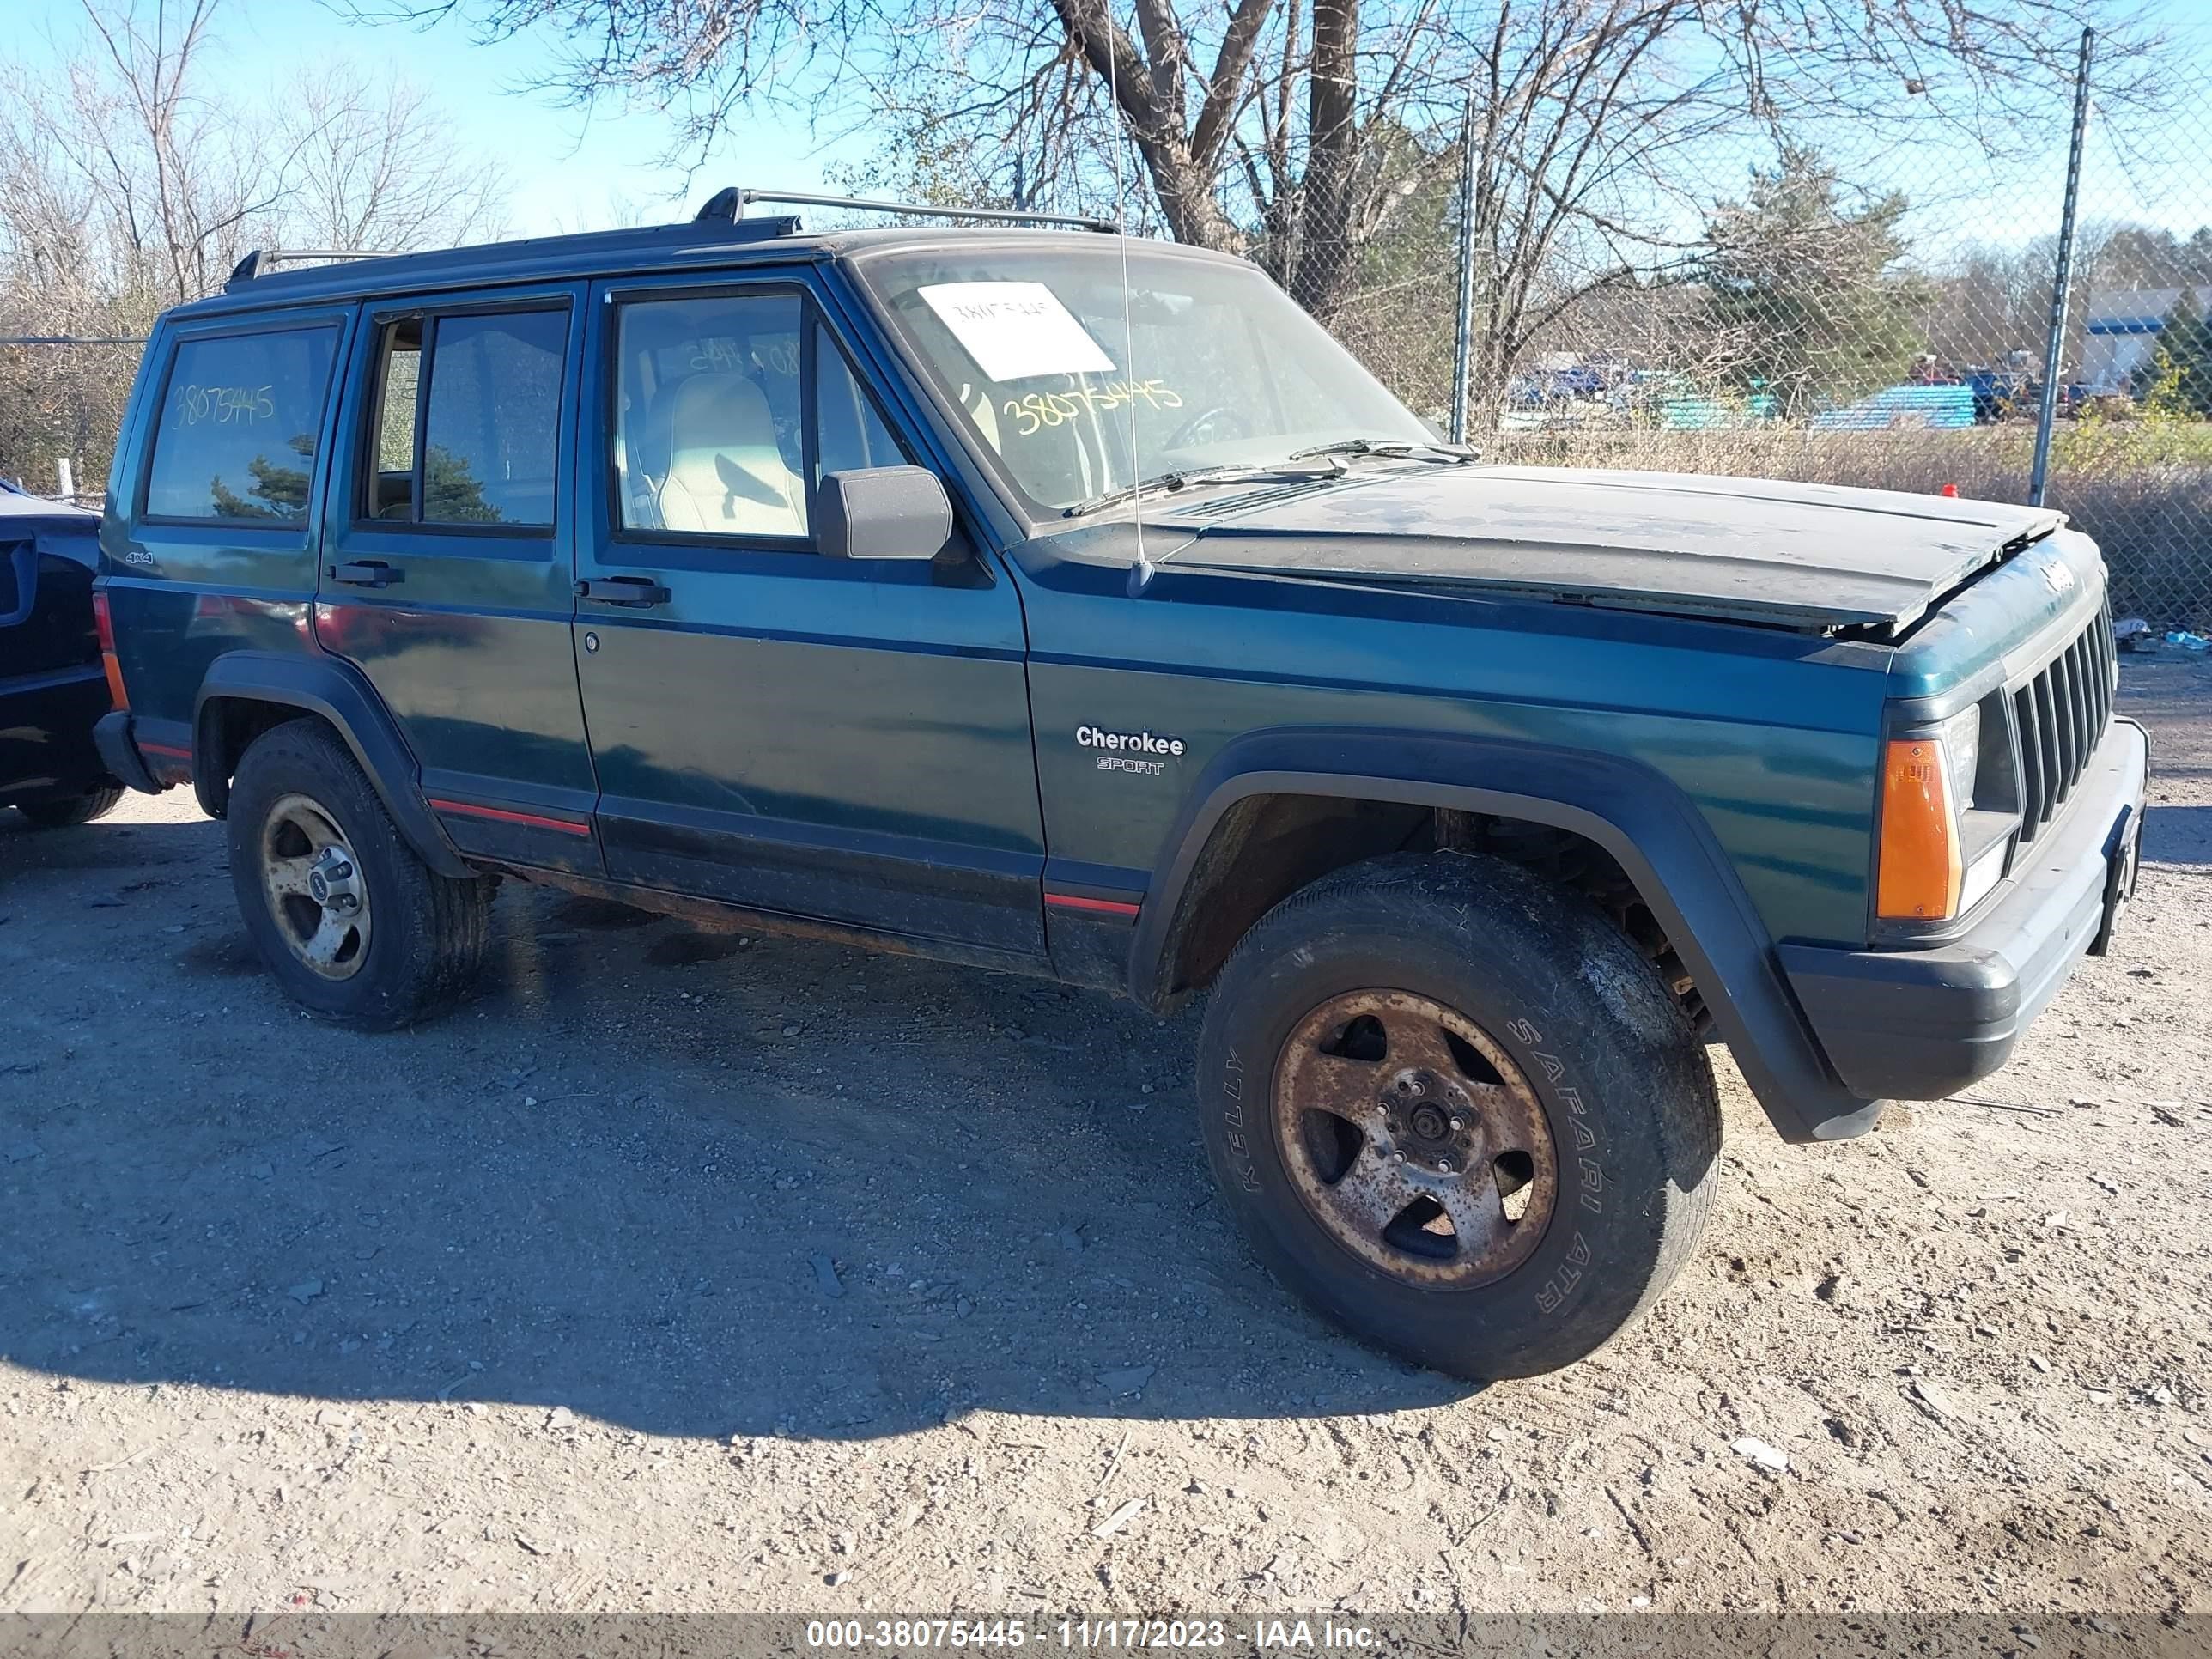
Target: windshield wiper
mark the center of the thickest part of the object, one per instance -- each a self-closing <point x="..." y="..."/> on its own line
<point x="1395" y="448"/>
<point x="1167" y="482"/>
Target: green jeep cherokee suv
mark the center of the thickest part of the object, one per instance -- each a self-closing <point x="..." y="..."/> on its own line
<point x="1075" y="606"/>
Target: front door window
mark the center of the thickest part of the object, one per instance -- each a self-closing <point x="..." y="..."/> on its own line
<point x="715" y="432"/>
<point x="708" y="433"/>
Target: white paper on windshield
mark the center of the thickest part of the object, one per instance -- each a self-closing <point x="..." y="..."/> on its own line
<point x="1015" y="331"/>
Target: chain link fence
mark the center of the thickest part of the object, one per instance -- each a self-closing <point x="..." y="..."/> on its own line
<point x="61" y="403"/>
<point x="1810" y="307"/>
<point x="1817" y="311"/>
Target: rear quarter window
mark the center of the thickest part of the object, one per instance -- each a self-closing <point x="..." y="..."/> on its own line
<point x="239" y="419"/>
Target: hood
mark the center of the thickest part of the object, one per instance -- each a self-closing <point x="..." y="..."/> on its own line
<point x="1811" y="557"/>
<point x="31" y="526"/>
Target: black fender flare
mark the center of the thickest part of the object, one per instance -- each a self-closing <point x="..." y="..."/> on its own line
<point x="1635" y="813"/>
<point x="336" y="691"/>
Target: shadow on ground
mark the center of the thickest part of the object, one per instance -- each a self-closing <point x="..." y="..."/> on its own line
<point x="688" y="1185"/>
<point x="2178" y="835"/>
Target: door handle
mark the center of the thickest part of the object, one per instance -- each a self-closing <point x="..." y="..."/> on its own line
<point x="370" y="573"/>
<point x="632" y="590"/>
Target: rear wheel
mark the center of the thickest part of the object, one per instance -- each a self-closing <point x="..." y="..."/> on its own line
<point x="1455" y="1108"/>
<point x="351" y="922"/>
<point x="73" y="809"/>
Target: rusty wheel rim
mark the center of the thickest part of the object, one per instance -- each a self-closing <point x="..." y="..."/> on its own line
<point x="1414" y="1139"/>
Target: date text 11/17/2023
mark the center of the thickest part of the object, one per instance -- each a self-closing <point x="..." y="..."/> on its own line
<point x="1083" y="1635"/>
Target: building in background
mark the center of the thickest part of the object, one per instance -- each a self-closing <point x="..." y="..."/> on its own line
<point x="2123" y="325"/>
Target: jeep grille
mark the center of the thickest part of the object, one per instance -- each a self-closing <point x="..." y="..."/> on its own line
<point x="2061" y="714"/>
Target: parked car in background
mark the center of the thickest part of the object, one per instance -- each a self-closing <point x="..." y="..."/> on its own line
<point x="53" y="688"/>
<point x="2000" y="394"/>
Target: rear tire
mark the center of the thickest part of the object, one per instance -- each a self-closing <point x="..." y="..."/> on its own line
<point x="72" y="809"/>
<point x="1397" y="1054"/>
<point x="353" y="925"/>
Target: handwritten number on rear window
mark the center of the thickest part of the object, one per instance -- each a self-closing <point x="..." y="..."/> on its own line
<point x="224" y="404"/>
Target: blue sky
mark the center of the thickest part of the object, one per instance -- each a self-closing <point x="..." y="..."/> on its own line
<point x="570" y="171"/>
<point x="573" y="170"/>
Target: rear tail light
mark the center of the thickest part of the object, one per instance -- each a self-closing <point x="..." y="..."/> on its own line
<point x="104" y="625"/>
<point x="1921" y="871"/>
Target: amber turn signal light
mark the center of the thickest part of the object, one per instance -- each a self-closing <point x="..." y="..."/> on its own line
<point x="1920" y="869"/>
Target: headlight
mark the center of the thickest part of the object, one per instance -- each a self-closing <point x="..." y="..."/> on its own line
<point x="1961" y="739"/>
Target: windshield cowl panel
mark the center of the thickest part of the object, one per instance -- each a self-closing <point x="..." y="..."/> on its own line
<point x="1075" y="386"/>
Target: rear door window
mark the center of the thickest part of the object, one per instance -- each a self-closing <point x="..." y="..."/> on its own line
<point x="236" y="437"/>
<point x="398" y="409"/>
<point x="467" y="421"/>
<point x="494" y="419"/>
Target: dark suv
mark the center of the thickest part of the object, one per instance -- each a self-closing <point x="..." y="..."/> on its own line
<point x="52" y="691"/>
<point x="1052" y="603"/>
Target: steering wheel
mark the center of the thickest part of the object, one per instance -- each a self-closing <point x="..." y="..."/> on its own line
<point x="1189" y="432"/>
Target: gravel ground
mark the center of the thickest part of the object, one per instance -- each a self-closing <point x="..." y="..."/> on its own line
<point x="691" y="1272"/>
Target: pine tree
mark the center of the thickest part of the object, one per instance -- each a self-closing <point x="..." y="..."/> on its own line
<point x="1811" y="283"/>
<point x="2178" y="366"/>
<point x="278" y="491"/>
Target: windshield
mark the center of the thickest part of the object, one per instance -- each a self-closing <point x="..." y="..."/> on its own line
<point x="1218" y="367"/>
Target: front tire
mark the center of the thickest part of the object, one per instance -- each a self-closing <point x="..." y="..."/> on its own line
<point x="1455" y="1108"/>
<point x="73" y="809"/>
<point x="352" y="924"/>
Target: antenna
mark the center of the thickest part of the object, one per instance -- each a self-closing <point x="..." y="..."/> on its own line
<point x="1140" y="573"/>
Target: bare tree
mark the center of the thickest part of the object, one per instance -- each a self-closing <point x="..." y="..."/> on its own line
<point x="374" y="164"/>
<point x="1296" y="130"/>
<point x="1994" y="299"/>
<point x="129" y="181"/>
<point x="167" y="181"/>
<point x="161" y="182"/>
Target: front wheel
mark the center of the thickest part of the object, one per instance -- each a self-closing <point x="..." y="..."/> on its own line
<point x="352" y="923"/>
<point x="1455" y="1108"/>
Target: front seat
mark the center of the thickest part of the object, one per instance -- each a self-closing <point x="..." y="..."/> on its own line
<point x="725" y="475"/>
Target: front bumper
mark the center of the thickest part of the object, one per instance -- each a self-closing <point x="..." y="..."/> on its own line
<point x="1906" y="1025"/>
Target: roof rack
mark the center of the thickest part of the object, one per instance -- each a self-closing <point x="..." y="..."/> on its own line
<point x="262" y="258"/>
<point x="731" y="205"/>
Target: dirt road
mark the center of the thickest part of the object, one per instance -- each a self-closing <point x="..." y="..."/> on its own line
<point x="689" y="1273"/>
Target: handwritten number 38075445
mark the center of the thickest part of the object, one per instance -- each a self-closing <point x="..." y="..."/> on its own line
<point x="226" y="405"/>
<point x="1040" y="409"/>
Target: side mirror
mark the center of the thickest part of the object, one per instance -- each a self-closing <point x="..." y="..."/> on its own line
<point x="882" y="513"/>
